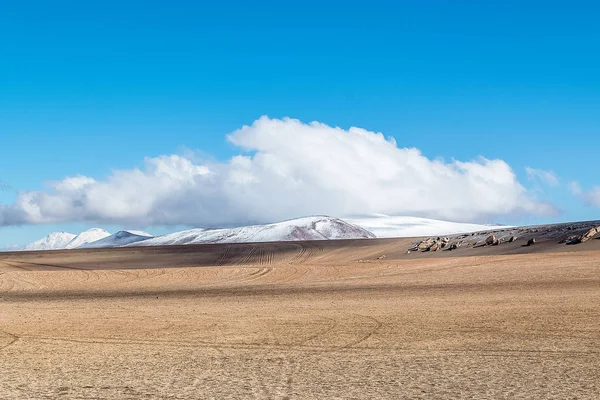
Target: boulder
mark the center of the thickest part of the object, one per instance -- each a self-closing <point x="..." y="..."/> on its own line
<point x="453" y="246"/>
<point x="425" y="244"/>
<point x="491" y="240"/>
<point x="434" y="247"/>
<point x="512" y="239"/>
<point x="531" y="242"/>
<point x="590" y="234"/>
<point x="573" y="240"/>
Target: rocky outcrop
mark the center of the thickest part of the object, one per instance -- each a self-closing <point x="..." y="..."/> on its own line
<point x="430" y="244"/>
<point x="569" y="233"/>
<point x="585" y="237"/>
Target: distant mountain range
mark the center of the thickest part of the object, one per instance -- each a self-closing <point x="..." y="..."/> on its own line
<point x="307" y="228"/>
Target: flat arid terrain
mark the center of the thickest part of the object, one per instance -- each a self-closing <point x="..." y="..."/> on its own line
<point x="349" y="319"/>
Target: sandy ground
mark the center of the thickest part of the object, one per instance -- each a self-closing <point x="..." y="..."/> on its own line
<point x="296" y="321"/>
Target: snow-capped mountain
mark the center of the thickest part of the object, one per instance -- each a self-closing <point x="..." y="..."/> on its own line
<point x="118" y="239"/>
<point x="54" y="241"/>
<point x="308" y="228"/>
<point x="385" y="226"/>
<point x="89" y="236"/>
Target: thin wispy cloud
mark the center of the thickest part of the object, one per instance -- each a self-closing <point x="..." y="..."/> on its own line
<point x="5" y="187"/>
<point x="548" y="178"/>
<point x="591" y="197"/>
<point x="285" y="168"/>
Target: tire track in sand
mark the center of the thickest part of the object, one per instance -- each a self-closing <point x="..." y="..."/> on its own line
<point x="373" y="330"/>
<point x="13" y="339"/>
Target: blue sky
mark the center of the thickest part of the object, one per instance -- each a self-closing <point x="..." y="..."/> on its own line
<point x="88" y="88"/>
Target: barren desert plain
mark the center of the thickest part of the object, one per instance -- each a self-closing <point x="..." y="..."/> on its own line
<point x="302" y="320"/>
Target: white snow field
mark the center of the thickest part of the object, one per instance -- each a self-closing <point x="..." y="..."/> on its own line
<point x="385" y="226"/>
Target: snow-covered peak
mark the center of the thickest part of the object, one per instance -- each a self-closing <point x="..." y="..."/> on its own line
<point x="118" y="239"/>
<point x="308" y="228"/>
<point x="385" y="226"/>
<point x="54" y="241"/>
<point x="89" y="236"/>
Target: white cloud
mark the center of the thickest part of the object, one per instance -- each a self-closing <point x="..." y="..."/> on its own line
<point x="546" y="177"/>
<point x="294" y="169"/>
<point x="591" y="197"/>
<point x="575" y="188"/>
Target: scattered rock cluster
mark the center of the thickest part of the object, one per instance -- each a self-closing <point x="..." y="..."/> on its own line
<point x="431" y="244"/>
<point x="579" y="232"/>
<point x="435" y="244"/>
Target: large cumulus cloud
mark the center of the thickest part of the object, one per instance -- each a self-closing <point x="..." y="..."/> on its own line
<point x="285" y="169"/>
